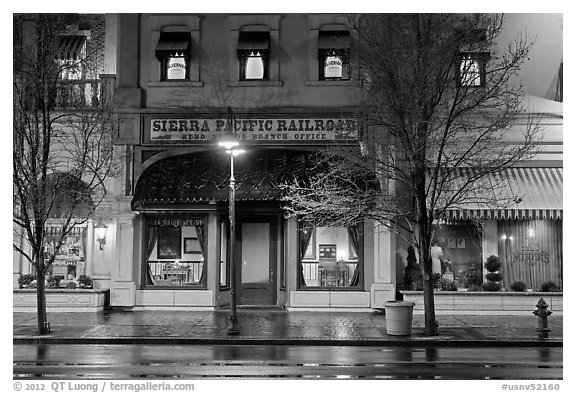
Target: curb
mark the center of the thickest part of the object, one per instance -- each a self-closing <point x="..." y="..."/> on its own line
<point x="427" y="342"/>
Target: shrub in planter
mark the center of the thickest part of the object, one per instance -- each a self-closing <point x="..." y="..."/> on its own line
<point x="491" y="286"/>
<point x="25" y="280"/>
<point x="494" y="277"/>
<point x="71" y="285"/>
<point x="417" y="283"/>
<point x="412" y="271"/>
<point x="447" y="285"/>
<point x="493" y="264"/>
<point x="53" y="282"/>
<point x="518" y="286"/>
<point x="550" y="286"/>
<point x="473" y="279"/>
<point x="436" y="277"/>
<point x="85" y="281"/>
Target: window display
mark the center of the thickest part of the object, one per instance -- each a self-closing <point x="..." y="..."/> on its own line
<point x="70" y="261"/>
<point x="175" y="252"/>
<point x="531" y="252"/>
<point x="329" y="257"/>
<point x="457" y="255"/>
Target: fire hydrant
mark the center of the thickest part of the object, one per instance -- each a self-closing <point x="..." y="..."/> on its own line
<point x="542" y="314"/>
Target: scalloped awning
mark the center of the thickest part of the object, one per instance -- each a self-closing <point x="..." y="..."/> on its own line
<point x="204" y="177"/>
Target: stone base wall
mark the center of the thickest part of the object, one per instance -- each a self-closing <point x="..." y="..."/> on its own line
<point x="500" y="302"/>
<point x="62" y="300"/>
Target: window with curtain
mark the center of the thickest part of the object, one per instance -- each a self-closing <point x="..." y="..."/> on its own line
<point x="173" y="52"/>
<point x="254" y="55"/>
<point x="175" y="252"/>
<point x="531" y="252"/>
<point x="330" y="258"/>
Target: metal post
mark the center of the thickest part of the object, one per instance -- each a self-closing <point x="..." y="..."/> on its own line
<point x="233" y="330"/>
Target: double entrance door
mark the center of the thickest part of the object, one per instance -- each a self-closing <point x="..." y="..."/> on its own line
<point x="256" y="245"/>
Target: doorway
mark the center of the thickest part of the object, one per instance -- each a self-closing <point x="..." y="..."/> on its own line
<point x="256" y="260"/>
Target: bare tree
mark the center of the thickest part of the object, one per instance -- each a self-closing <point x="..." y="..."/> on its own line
<point x="62" y="154"/>
<point x="435" y="104"/>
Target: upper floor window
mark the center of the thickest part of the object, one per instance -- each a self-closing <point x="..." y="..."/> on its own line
<point x="71" y="52"/>
<point x="472" y="69"/>
<point x="254" y="55"/>
<point x="173" y="52"/>
<point x="333" y="52"/>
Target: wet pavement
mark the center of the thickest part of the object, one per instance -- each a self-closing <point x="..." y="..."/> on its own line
<point x="280" y="327"/>
<point x="282" y="361"/>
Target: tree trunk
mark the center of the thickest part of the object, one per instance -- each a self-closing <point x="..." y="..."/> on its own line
<point x="425" y="241"/>
<point x="429" y="309"/>
<point x="41" y="299"/>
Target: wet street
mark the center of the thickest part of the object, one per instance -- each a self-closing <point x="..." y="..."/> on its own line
<point x="282" y="361"/>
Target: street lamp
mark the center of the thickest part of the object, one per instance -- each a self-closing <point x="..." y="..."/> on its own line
<point x="231" y="143"/>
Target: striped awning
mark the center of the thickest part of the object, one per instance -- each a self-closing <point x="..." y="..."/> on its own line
<point x="537" y="193"/>
<point x="334" y="40"/>
<point x="254" y="40"/>
<point x="173" y="44"/>
<point x="70" y="47"/>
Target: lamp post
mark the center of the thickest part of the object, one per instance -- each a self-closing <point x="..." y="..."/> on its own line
<point x="230" y="142"/>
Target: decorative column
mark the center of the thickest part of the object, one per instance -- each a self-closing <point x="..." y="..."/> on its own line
<point x="120" y="246"/>
<point x="383" y="287"/>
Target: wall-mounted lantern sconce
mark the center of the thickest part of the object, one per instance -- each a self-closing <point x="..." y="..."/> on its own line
<point x="100" y="229"/>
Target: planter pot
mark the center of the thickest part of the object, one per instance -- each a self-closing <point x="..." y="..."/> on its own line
<point x="399" y="317"/>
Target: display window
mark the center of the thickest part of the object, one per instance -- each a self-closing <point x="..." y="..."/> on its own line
<point x="457" y="255"/>
<point x="175" y="252"/>
<point x="70" y="259"/>
<point x="531" y="252"/>
<point x="330" y="258"/>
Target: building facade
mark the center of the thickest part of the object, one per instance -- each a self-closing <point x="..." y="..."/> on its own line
<point x="284" y="84"/>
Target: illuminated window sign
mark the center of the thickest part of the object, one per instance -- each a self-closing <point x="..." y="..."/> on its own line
<point x="333" y="67"/>
<point x="176" y="68"/>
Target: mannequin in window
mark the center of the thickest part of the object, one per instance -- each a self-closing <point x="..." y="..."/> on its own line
<point x="436" y="254"/>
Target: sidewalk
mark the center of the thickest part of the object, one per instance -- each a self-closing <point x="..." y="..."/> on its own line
<point x="279" y="327"/>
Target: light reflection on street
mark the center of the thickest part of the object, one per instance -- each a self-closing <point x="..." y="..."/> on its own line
<point x="283" y="361"/>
